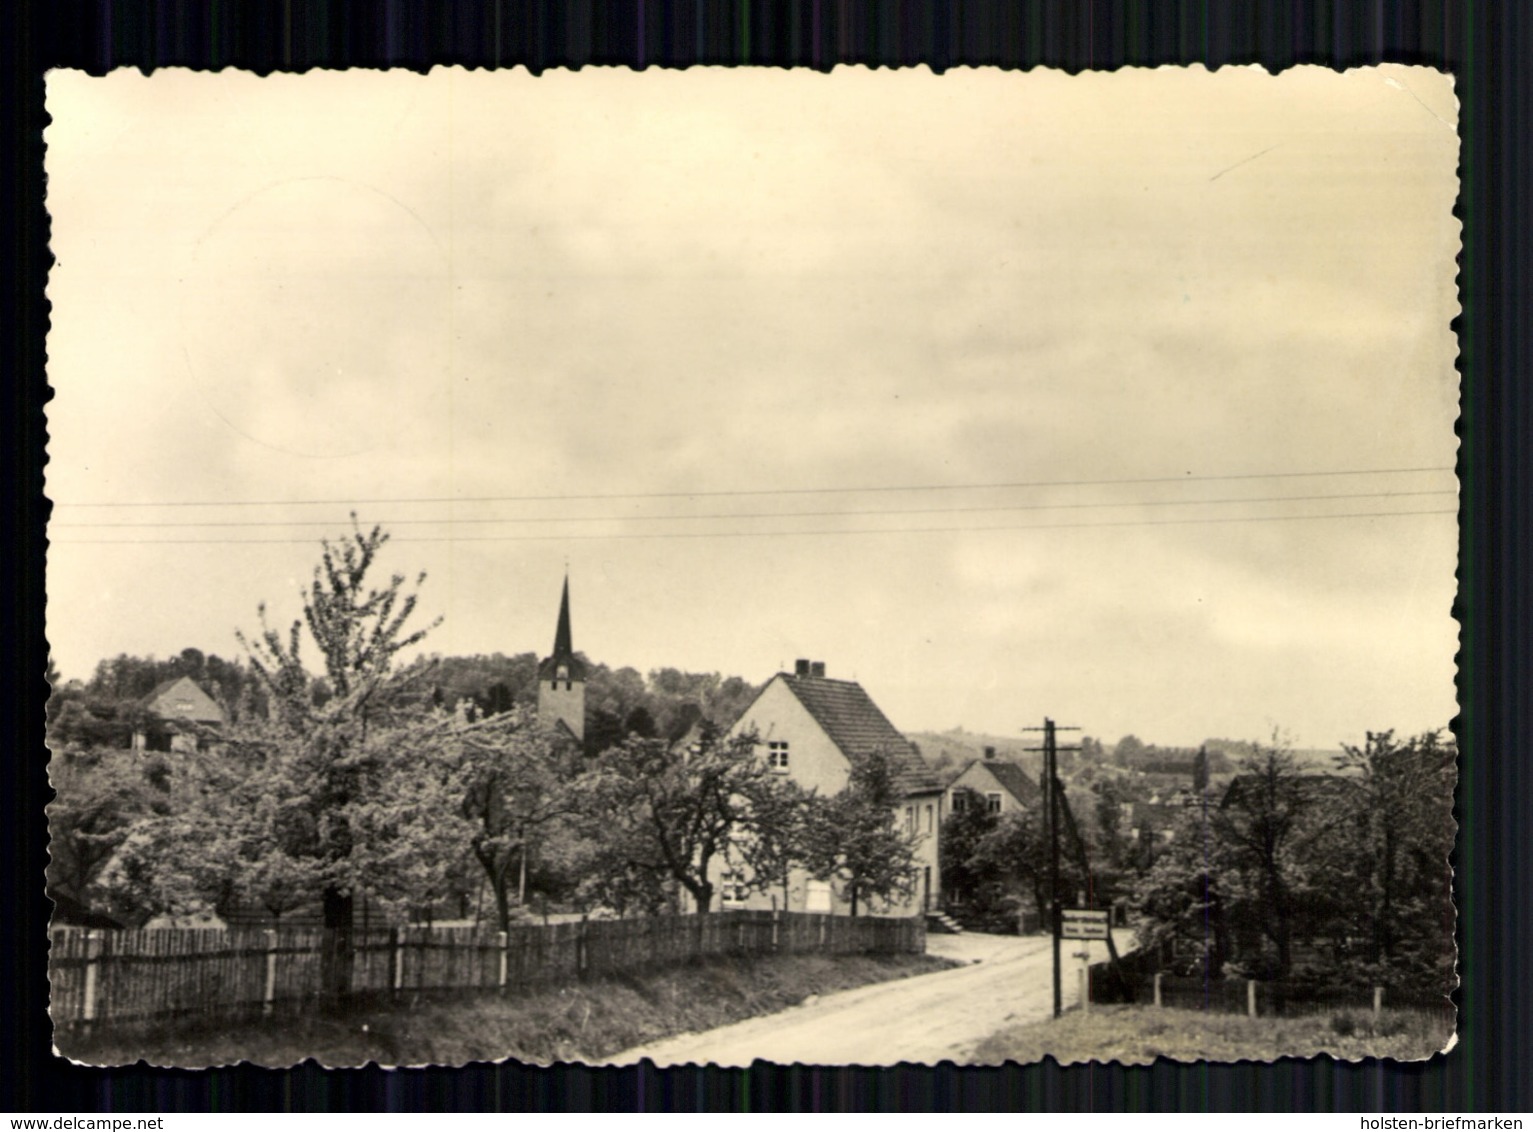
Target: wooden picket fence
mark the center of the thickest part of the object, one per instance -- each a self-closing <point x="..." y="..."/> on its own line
<point x="101" y="976"/>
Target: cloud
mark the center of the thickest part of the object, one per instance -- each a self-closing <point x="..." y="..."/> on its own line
<point x="355" y="286"/>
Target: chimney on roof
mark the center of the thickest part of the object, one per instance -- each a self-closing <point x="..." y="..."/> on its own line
<point x="817" y="669"/>
<point x="801" y="668"/>
<point x="989" y="752"/>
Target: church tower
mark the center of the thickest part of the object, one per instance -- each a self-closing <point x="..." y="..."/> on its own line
<point x="562" y="678"/>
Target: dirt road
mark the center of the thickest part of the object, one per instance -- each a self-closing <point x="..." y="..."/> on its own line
<point x="925" y="1019"/>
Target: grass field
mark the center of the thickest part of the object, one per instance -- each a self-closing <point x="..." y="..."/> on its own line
<point x="1137" y="1035"/>
<point x="583" y="1022"/>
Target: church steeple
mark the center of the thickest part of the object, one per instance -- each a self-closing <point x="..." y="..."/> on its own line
<point x="562" y="677"/>
<point x="563" y="648"/>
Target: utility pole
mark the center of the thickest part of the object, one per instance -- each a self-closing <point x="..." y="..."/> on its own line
<point x="1051" y="788"/>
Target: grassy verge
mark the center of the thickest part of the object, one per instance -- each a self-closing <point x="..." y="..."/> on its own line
<point x="1137" y="1035"/>
<point x="584" y="1022"/>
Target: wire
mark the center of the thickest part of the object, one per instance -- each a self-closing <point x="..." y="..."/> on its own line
<point x="769" y="514"/>
<point x="776" y="534"/>
<point x="1189" y="478"/>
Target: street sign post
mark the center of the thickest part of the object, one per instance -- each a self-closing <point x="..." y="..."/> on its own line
<point x="1084" y="923"/>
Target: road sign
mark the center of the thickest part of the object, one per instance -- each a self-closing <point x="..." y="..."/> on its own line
<point x="1083" y="923"/>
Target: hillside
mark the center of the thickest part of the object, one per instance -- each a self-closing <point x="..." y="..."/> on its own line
<point x="948" y="752"/>
<point x="1311" y="759"/>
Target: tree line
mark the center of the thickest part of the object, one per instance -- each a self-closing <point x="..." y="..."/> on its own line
<point x="104" y="710"/>
<point x="1342" y="877"/>
<point x="1282" y="873"/>
<point x="363" y="780"/>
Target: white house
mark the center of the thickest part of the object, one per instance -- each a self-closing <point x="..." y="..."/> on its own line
<point x="1002" y="787"/>
<point x="809" y="727"/>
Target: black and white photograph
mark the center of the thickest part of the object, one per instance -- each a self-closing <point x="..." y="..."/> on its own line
<point x="736" y="565"/>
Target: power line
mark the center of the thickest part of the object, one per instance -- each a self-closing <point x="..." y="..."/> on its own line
<point x="775" y="534"/>
<point x="246" y="523"/>
<point x="738" y="493"/>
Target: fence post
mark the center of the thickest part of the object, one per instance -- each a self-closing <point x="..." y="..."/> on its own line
<point x="270" y="993"/>
<point x="1157" y="988"/>
<point x="776" y="919"/>
<point x="1378" y="1003"/>
<point x="396" y="959"/>
<point x="505" y="943"/>
<point x="580" y="949"/>
<point x="92" y="965"/>
<point x="1250" y="998"/>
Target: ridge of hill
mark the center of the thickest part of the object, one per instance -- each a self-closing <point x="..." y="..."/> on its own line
<point x="948" y="752"/>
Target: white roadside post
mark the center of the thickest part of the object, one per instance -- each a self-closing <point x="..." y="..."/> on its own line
<point x="269" y="992"/>
<point x="1084" y="924"/>
<point x="93" y="940"/>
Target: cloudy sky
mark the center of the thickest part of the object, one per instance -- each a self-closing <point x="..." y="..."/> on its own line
<point x="1125" y="399"/>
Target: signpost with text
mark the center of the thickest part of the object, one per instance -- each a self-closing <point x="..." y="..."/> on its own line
<point x="1084" y="923"/>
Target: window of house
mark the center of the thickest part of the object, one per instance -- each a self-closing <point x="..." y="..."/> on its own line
<point x="732" y="887"/>
<point x="993" y="803"/>
<point x="910" y="819"/>
<point x="928" y="819"/>
<point x="958" y="798"/>
<point x="777" y="755"/>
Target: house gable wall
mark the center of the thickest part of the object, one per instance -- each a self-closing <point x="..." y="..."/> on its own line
<point x="977" y="777"/>
<point x="814" y="761"/>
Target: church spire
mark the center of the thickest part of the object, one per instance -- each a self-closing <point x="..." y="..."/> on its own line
<point x="561" y="677"/>
<point x="563" y="644"/>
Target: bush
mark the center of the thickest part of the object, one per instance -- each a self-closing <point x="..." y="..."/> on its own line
<point x="1343" y="1025"/>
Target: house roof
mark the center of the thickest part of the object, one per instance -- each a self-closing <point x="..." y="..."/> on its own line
<point x="1012" y="778"/>
<point x="851" y="719"/>
<point x="182" y="698"/>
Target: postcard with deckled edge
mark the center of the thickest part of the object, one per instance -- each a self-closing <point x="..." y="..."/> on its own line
<point x="738" y="564"/>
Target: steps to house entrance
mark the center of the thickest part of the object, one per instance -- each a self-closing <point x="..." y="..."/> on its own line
<point x="942" y="922"/>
